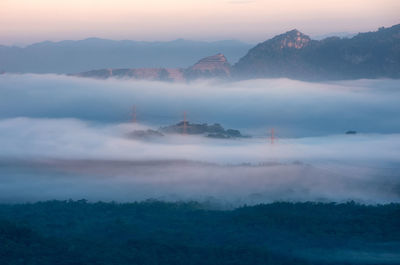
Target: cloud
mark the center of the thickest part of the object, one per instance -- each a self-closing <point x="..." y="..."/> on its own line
<point x="110" y="180"/>
<point x="71" y="138"/>
<point x="65" y="137"/>
<point x="293" y="108"/>
<point x="67" y="158"/>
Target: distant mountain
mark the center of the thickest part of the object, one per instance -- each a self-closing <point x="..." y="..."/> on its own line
<point x="334" y="34"/>
<point x="94" y="53"/>
<point x="291" y="55"/>
<point x="215" y="66"/>
<point x="295" y="55"/>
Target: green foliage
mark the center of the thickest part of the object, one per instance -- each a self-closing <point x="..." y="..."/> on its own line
<point x="153" y="232"/>
<point x="212" y="131"/>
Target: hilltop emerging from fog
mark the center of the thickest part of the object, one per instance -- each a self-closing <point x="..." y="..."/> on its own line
<point x="216" y="66"/>
<point x="295" y="55"/>
<point x="90" y="54"/>
<point x="291" y="55"/>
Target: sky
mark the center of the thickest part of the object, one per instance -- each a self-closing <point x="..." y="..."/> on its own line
<point x="26" y="21"/>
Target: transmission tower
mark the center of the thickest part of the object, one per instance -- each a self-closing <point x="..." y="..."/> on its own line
<point x="272" y="136"/>
<point x="184" y="124"/>
<point x="134" y="114"/>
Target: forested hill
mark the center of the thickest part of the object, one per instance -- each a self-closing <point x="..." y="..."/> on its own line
<point x="77" y="232"/>
<point x="295" y="55"/>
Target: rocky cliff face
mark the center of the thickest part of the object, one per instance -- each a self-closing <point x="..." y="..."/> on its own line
<point x="215" y="66"/>
<point x="293" y="39"/>
<point x="277" y="57"/>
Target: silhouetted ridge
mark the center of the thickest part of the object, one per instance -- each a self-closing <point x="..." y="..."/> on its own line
<point x="294" y="55"/>
<point x="291" y="55"/>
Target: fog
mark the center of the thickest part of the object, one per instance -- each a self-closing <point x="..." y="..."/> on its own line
<point x="293" y="108"/>
<point x="64" y="137"/>
<point x="75" y="139"/>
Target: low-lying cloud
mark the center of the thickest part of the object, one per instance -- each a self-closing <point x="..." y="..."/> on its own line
<point x="293" y="108"/>
<point x="63" y="137"/>
<point x="66" y="158"/>
<point x="76" y="139"/>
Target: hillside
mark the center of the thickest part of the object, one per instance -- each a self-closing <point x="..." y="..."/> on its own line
<point x="291" y="55"/>
<point x="295" y="55"/>
<point x="77" y="232"/>
<point x="215" y="66"/>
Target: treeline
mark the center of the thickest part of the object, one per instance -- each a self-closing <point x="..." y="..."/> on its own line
<point x="153" y="232"/>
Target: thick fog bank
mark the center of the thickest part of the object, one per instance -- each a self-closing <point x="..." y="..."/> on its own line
<point x="75" y="139"/>
<point x="184" y="180"/>
<point x="46" y="159"/>
<point x="293" y="108"/>
<point x="63" y="137"/>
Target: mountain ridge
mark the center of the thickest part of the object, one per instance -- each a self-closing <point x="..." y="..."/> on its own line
<point x="94" y="53"/>
<point x="293" y="54"/>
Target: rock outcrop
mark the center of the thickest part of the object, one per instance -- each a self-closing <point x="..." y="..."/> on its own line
<point x="215" y="66"/>
<point x="292" y="40"/>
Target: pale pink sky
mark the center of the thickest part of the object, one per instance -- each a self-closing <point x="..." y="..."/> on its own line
<point x="27" y="21"/>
